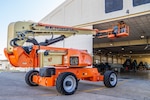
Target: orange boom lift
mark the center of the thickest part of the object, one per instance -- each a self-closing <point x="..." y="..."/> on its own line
<point x="60" y="67"/>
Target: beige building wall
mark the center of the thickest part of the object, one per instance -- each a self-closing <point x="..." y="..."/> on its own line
<point x="120" y="60"/>
<point x="4" y="64"/>
<point x="96" y="59"/>
<point x="142" y="58"/>
<point x="78" y="12"/>
<point x="110" y="59"/>
<point x="115" y="60"/>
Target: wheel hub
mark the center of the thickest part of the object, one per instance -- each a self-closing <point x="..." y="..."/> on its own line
<point x="111" y="79"/>
<point x="68" y="83"/>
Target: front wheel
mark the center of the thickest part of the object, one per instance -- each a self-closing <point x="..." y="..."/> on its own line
<point x="110" y="79"/>
<point x="66" y="83"/>
<point x="29" y="77"/>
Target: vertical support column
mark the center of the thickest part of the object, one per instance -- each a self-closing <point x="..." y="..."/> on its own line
<point x="107" y="58"/>
<point x="112" y="60"/>
<point x="100" y="58"/>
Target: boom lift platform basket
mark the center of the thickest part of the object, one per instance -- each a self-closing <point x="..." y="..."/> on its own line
<point x="109" y="33"/>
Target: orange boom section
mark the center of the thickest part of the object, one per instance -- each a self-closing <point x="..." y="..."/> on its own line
<point x="19" y="58"/>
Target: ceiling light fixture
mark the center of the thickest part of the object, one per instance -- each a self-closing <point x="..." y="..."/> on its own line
<point x="130" y="51"/>
<point x="111" y="44"/>
<point x="142" y="36"/>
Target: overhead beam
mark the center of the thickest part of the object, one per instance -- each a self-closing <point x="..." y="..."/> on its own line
<point x="122" y="43"/>
<point x="114" y="19"/>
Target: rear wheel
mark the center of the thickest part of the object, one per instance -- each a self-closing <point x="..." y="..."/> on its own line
<point x="29" y="77"/>
<point x="110" y="79"/>
<point x="66" y="83"/>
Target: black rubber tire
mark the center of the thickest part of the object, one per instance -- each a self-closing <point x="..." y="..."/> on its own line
<point x="110" y="79"/>
<point x="60" y="83"/>
<point x="29" y="76"/>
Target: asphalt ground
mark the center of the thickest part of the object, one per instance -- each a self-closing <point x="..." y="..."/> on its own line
<point x="131" y="86"/>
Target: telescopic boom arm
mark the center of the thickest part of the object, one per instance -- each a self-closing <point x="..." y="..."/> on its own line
<point x="21" y="32"/>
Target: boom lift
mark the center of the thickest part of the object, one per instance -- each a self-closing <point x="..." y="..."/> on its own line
<point x="60" y="67"/>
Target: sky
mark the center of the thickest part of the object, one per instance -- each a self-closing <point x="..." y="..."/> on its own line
<point x="22" y="10"/>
